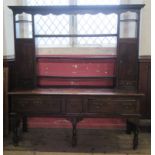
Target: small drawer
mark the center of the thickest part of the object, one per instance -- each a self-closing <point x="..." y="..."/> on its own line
<point x="74" y="105"/>
<point x="37" y="104"/>
<point x="112" y="106"/>
<point x="101" y="106"/>
<point x="130" y="107"/>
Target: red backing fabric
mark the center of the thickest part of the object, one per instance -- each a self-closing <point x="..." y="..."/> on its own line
<point x="53" y="68"/>
<point x="47" y="122"/>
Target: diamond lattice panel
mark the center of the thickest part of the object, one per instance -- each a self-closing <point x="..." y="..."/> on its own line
<point x="97" y="41"/>
<point x="52" y="42"/>
<point x="51" y="24"/>
<point x="47" y="2"/>
<point x="98" y="2"/>
<point x="97" y="24"/>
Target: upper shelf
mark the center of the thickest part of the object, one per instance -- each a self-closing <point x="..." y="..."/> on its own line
<point x="73" y="9"/>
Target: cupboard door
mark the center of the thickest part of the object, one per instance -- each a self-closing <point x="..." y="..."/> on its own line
<point x="127" y="64"/>
<point x="25" y="63"/>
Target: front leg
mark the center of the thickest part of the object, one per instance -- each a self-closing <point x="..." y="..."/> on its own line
<point x="74" y="121"/>
<point x="15" y="121"/>
<point x="132" y="126"/>
<point x="128" y="127"/>
<point x="74" y="132"/>
<point x="25" y="126"/>
<point x="135" y="138"/>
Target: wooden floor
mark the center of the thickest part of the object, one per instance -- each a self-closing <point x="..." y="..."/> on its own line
<point x="90" y="142"/>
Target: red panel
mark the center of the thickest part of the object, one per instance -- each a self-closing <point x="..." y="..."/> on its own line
<point x="42" y="122"/>
<point x="72" y="82"/>
<point x="76" y="68"/>
<point x="72" y="67"/>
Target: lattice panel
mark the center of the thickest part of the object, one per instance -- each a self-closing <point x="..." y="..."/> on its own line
<point x="78" y="42"/>
<point x="47" y="2"/>
<point x="83" y="24"/>
<point x="97" y="24"/>
<point x="52" y="24"/>
<point x="52" y="42"/>
<point x="79" y="2"/>
<point x="97" y="41"/>
<point x="98" y="2"/>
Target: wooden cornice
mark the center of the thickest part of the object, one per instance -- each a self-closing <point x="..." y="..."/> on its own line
<point x="76" y="9"/>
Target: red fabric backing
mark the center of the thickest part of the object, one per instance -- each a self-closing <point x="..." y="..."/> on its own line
<point x="46" y="122"/>
<point x="75" y="68"/>
<point x="72" y="82"/>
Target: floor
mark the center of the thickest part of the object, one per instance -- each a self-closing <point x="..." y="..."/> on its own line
<point x="90" y="142"/>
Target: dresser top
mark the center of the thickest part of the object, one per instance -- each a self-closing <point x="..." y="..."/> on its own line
<point x="74" y="91"/>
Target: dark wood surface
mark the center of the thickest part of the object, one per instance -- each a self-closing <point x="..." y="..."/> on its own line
<point x="25" y="63"/>
<point x="75" y="91"/>
<point x="145" y="86"/>
<point x="127" y="74"/>
<point x="74" y="105"/>
<point x="5" y="102"/>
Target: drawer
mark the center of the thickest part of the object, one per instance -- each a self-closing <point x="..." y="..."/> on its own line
<point x="112" y="106"/>
<point x="37" y="104"/>
<point x="102" y="106"/>
<point x="129" y="106"/>
<point x="74" y="105"/>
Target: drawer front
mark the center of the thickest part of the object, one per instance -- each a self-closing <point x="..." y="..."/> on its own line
<point x="112" y="106"/>
<point x="74" y="105"/>
<point x="130" y="106"/>
<point x="37" y="104"/>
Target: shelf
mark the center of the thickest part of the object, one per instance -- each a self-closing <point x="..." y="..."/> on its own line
<point x="77" y="57"/>
<point x="78" y="77"/>
<point x="77" y="35"/>
<point x="129" y="20"/>
<point x="23" y="21"/>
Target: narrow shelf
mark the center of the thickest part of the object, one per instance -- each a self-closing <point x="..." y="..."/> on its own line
<point x="23" y="21"/>
<point x="77" y="35"/>
<point x="77" y="57"/>
<point x="129" y="20"/>
<point x="78" y="77"/>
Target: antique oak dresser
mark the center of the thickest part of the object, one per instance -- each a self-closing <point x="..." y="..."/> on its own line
<point x="76" y="86"/>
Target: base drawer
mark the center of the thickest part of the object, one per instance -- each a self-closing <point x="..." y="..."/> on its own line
<point x="37" y="104"/>
<point x="110" y="106"/>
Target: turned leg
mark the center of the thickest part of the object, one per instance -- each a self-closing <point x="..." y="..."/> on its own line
<point x="128" y="127"/>
<point x="132" y="126"/>
<point x="15" y="123"/>
<point x="25" y="126"/>
<point x="74" y="122"/>
<point x="74" y="132"/>
<point x="135" y="138"/>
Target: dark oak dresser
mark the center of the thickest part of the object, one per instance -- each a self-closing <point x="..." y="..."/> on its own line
<point x="110" y="91"/>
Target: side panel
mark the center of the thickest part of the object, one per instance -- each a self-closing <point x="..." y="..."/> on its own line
<point x="25" y="63"/>
<point x="127" y="61"/>
<point x="145" y="86"/>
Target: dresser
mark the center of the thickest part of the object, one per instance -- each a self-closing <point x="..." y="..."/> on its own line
<point x="77" y="86"/>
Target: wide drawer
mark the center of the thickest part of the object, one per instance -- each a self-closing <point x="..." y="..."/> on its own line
<point x="112" y="106"/>
<point x="37" y="104"/>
